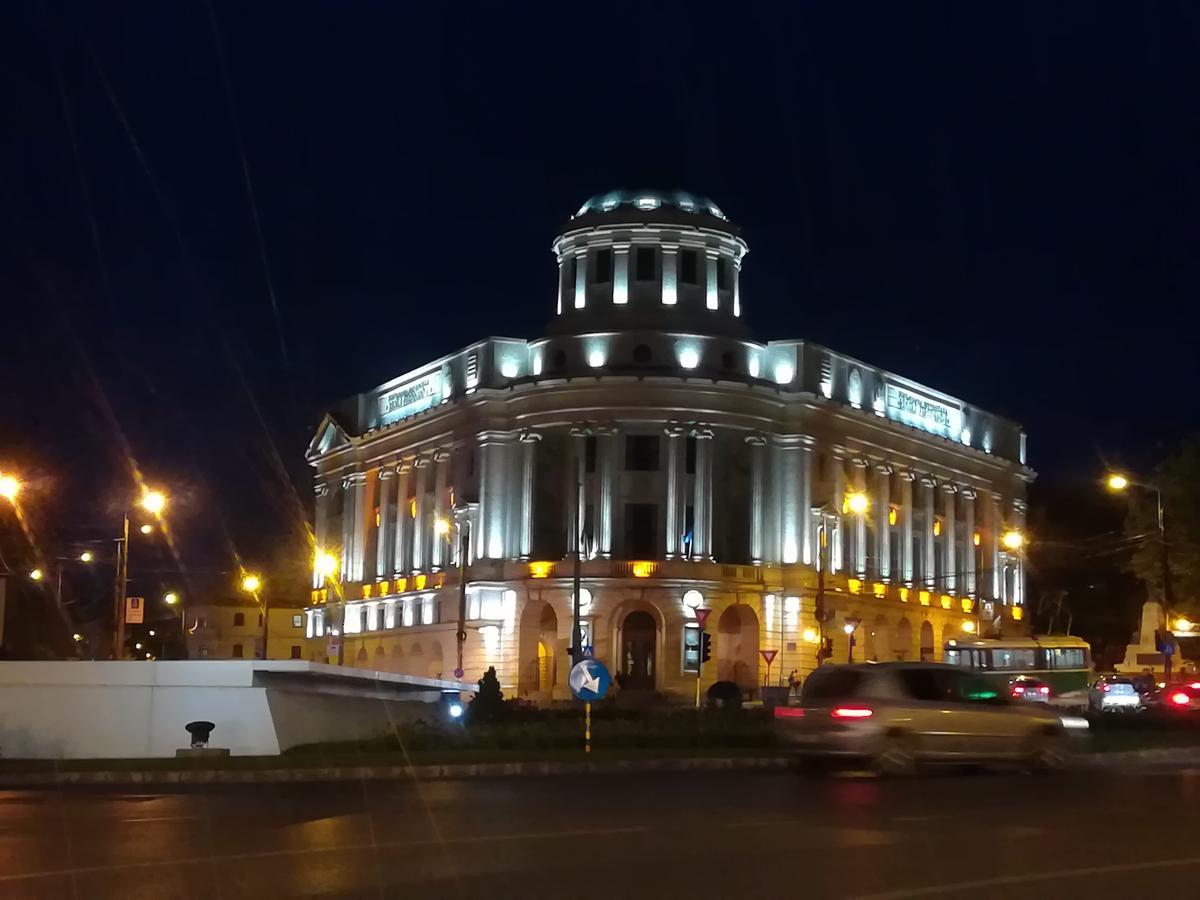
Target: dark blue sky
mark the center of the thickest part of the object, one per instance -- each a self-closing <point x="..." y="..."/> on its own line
<point x="999" y="200"/>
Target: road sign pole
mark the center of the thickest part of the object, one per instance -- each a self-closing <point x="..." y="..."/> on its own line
<point x="587" y="727"/>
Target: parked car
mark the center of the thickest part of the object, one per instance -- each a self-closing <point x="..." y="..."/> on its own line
<point x="1116" y="693"/>
<point x="1033" y="690"/>
<point x="894" y="716"/>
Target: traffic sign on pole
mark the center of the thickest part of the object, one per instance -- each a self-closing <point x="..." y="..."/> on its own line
<point x="589" y="680"/>
<point x="768" y="655"/>
<point x="135" y="610"/>
<point x="702" y="615"/>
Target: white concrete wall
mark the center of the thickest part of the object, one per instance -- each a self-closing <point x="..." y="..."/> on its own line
<point x="74" y="710"/>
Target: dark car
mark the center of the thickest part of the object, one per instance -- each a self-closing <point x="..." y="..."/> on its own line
<point x="1175" y="699"/>
<point x="1032" y="690"/>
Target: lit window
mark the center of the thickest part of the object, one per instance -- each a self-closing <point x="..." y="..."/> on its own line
<point x="646" y="203"/>
<point x="689" y="357"/>
<point x="784" y="373"/>
<point x="537" y="364"/>
<point x="596" y="358"/>
<point x="753" y="365"/>
<point x="509" y="368"/>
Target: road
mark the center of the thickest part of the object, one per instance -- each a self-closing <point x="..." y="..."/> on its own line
<point x="698" y="835"/>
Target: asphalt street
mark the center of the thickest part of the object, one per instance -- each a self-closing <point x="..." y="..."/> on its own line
<point x="695" y="835"/>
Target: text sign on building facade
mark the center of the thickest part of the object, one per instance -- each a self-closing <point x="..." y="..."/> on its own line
<point x="410" y="398"/>
<point x="922" y="412"/>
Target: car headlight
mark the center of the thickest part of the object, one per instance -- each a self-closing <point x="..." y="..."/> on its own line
<point x="1073" y="722"/>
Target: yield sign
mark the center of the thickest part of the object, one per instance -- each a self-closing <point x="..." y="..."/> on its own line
<point x="702" y="615"/>
<point x="768" y="655"/>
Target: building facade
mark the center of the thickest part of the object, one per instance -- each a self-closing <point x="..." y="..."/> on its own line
<point x="687" y="464"/>
<point x="233" y="629"/>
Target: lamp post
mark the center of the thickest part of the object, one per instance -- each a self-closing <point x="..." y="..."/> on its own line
<point x="858" y="503"/>
<point x="462" y="520"/>
<point x="1118" y="483"/>
<point x="252" y="584"/>
<point x="153" y="502"/>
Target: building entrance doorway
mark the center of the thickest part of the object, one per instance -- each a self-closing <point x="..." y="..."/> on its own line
<point x="638" y="652"/>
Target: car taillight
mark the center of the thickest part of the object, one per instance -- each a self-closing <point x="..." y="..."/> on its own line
<point x="1195" y="685"/>
<point x="1018" y="689"/>
<point x="789" y="712"/>
<point x="1043" y="690"/>
<point x="852" y="712"/>
<point x="1105" y="688"/>
<point x="1181" y="699"/>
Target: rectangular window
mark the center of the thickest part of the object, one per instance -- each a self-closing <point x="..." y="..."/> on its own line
<point x="690" y="456"/>
<point x="646" y="264"/>
<point x="689" y="265"/>
<point x="724" y="274"/>
<point x="1012" y="659"/>
<point x="260" y="620"/>
<point x="589" y="445"/>
<point x="364" y="621"/>
<point x="295" y="651"/>
<point x="237" y="651"/>
<point x="641" y="527"/>
<point x="319" y="622"/>
<point x="569" y="270"/>
<point x="641" y="453"/>
<point x="428" y="611"/>
<point x="298" y="621"/>
<point x="239" y="619"/>
<point x="602" y="267"/>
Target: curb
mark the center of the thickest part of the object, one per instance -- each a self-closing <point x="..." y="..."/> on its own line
<point x="316" y="774"/>
<point x="1158" y="756"/>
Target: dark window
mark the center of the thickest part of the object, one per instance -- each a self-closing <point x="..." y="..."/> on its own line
<point x="923" y="684"/>
<point x="645" y="264"/>
<point x="689" y="523"/>
<point x="689" y="264"/>
<point x="239" y="619"/>
<point x="298" y="621"/>
<point x="295" y="651"/>
<point x="642" y="354"/>
<point x="641" y="453"/>
<point x="237" y="651"/>
<point x="260" y="620"/>
<point x="589" y="455"/>
<point x="558" y="360"/>
<point x="569" y="290"/>
<point x="641" y="521"/>
<point x="589" y="527"/>
<point x="362" y="619"/>
<point x="727" y="360"/>
<point x="690" y="456"/>
<point x="831" y="684"/>
<point x="602" y="265"/>
<point x="724" y="274"/>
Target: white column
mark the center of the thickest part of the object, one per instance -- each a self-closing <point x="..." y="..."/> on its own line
<point x="383" y="546"/>
<point x="439" y="543"/>
<point x="712" y="298"/>
<point x="994" y="524"/>
<point x="968" y="563"/>
<point x="494" y="497"/>
<point x="883" y="530"/>
<point x="403" y="537"/>
<point x="576" y="479"/>
<point x="836" y="555"/>
<point x="737" y="293"/>
<point x="675" y="512"/>
<point x="670" y="274"/>
<point x="1018" y="556"/>
<point x="348" y="519"/>
<point x="581" y="277"/>
<point x="950" y="532"/>
<point x="320" y="525"/>
<point x="790" y="489"/>
<point x="928" y="486"/>
<point x="860" y="522"/>
<point x="606" y="449"/>
<point x="529" y="442"/>
<point x="906" y="527"/>
<point x="757" y="507"/>
<point x="362" y="513"/>
<point x="560" y="283"/>
<point x="420" y="525"/>
<point x="620" y="274"/>
<point x="702" y="495"/>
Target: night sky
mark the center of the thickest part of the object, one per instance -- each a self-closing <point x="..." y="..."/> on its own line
<point x="998" y="200"/>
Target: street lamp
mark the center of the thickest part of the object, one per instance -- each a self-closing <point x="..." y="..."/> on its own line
<point x="1012" y="540"/>
<point x="1118" y="483"/>
<point x="153" y="502"/>
<point x="325" y="563"/>
<point x="10" y="487"/>
<point x="36" y="574"/>
<point x="251" y="583"/>
<point x="857" y="502"/>
<point x="86" y="556"/>
<point x="170" y="598"/>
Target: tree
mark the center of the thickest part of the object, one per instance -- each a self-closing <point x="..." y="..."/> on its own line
<point x="488" y="703"/>
<point x="1178" y="478"/>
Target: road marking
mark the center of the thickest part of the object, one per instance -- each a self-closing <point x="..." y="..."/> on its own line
<point x="340" y="848"/>
<point x="160" y="819"/>
<point x="961" y="886"/>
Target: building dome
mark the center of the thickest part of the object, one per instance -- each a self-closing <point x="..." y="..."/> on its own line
<point x="648" y="200"/>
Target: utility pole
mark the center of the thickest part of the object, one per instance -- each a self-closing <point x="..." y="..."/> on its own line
<point x="120" y="588"/>
<point x="576" y="626"/>
<point x="819" y="605"/>
<point x="464" y="547"/>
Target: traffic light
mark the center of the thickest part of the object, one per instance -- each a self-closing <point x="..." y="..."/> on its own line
<point x="705" y="647"/>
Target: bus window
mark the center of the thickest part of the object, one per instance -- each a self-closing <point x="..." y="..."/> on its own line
<point x="1067" y="658"/>
<point x="1012" y="659"/>
<point x="952" y="658"/>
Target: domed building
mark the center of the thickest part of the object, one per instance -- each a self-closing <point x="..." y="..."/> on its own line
<point x="683" y="463"/>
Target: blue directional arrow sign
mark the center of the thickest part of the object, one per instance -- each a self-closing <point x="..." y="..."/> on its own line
<point x="589" y="679"/>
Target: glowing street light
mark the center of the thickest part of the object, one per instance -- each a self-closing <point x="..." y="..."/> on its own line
<point x="442" y="526"/>
<point x="1116" y="482"/>
<point x="968" y="626"/>
<point x="37" y="574"/>
<point x="10" y="487"/>
<point x="86" y="556"/>
<point x="138" y="646"/>
<point x="1012" y="540"/>
<point x="325" y="563"/>
<point x="1184" y="625"/>
<point x="151" y="632"/>
<point x="146" y="529"/>
<point x="77" y="637"/>
<point x="857" y="502"/>
<point x="170" y="598"/>
<point x="153" y="502"/>
<point x="251" y="583"/>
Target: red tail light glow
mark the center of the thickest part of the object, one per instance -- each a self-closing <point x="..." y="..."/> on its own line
<point x="789" y="712"/>
<point x="852" y="712"/>
<point x="1105" y="688"/>
<point x="1181" y="699"/>
<point x="1043" y="690"/>
<point x="1195" y="685"/>
<point x="1018" y="689"/>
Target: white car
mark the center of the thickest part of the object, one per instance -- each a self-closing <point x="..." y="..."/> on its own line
<point x="1114" y="693"/>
